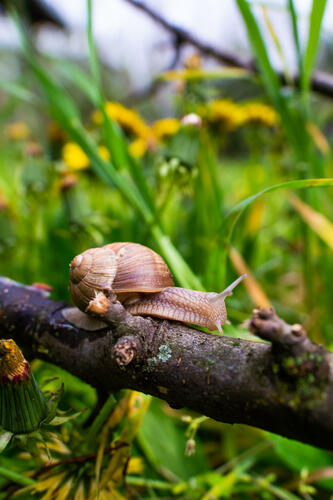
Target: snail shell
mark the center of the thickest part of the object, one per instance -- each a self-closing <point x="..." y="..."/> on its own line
<point x="124" y="269"/>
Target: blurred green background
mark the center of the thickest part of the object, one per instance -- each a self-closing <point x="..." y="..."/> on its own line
<point x="79" y="168"/>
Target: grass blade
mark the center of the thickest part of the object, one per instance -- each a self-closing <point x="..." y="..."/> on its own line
<point x="293" y="13"/>
<point x="175" y="260"/>
<point x="79" y="77"/>
<point x="20" y="92"/>
<point x="257" y="294"/>
<point x="317" y="13"/>
<point x="267" y="71"/>
<point x="16" y="477"/>
<point x="277" y="44"/>
<point x="270" y="78"/>
<point x="318" y="222"/>
<point x="234" y="214"/>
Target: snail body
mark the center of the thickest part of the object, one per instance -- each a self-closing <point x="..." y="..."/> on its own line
<point x="189" y="306"/>
<point x="140" y="279"/>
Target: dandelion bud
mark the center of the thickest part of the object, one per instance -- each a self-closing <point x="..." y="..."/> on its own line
<point x="187" y="419"/>
<point x="33" y="148"/>
<point x="192" y="120"/>
<point x="22" y="404"/>
<point x="190" y="448"/>
<point x="67" y="182"/>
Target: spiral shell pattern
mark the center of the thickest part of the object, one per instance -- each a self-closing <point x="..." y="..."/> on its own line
<point x="124" y="269"/>
<point x="91" y="272"/>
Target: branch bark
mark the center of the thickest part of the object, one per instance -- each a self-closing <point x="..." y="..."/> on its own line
<point x="321" y="82"/>
<point x="285" y="387"/>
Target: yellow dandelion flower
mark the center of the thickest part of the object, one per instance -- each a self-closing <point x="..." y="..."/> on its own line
<point x="104" y="153"/>
<point x="135" y="465"/>
<point x="128" y="119"/>
<point x="17" y="131"/>
<point x="194" y="61"/>
<point x="74" y="157"/>
<point x="165" y="128"/>
<point x="259" y="113"/>
<point x="138" y="147"/>
<point x="225" y="112"/>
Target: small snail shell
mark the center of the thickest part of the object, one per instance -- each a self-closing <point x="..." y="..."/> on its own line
<point x="141" y="280"/>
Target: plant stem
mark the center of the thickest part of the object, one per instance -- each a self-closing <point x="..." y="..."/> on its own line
<point x="100" y="419"/>
<point x="15" y="477"/>
<point x="149" y="483"/>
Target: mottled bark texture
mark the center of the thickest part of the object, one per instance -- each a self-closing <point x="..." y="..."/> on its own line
<point x="284" y="386"/>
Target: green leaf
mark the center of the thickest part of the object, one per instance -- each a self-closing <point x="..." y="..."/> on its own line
<point x="5" y="437"/>
<point x="167" y="453"/>
<point x="52" y="405"/>
<point x="30" y="442"/>
<point x="59" y="420"/>
<point x="298" y="456"/>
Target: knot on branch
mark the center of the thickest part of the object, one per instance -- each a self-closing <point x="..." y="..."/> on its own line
<point x="294" y="352"/>
<point x="126" y="349"/>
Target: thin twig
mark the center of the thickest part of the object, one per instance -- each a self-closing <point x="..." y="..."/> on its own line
<point x="77" y="460"/>
<point x="321" y="82"/>
<point x="184" y="36"/>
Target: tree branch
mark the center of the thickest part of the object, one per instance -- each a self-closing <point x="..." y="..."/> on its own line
<point x="321" y="82"/>
<point x="184" y="36"/>
<point x="284" y="387"/>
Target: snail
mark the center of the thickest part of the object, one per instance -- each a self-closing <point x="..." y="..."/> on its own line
<point x="140" y="279"/>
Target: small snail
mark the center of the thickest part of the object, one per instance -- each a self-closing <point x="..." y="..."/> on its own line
<point x="142" y="282"/>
